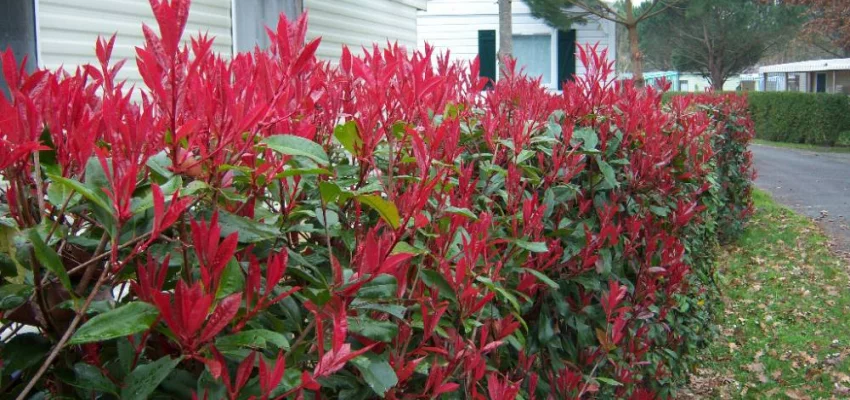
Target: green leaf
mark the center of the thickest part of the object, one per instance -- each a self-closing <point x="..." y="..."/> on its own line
<point x="91" y="378"/>
<point x="47" y="257"/>
<point x="329" y="191"/>
<point x="386" y="209"/>
<point x="232" y="280"/>
<point x="252" y="339"/>
<point x="142" y="382"/>
<point x="587" y="136"/>
<point x="13" y="295"/>
<point x="377" y="373"/>
<point x="543" y="278"/>
<point x="90" y="195"/>
<point x="332" y="218"/>
<point x="302" y="172"/>
<point x="195" y="187"/>
<point x="659" y="211"/>
<point x="9" y="248"/>
<point x="608" y="381"/>
<point x="391" y="309"/>
<point x="382" y="287"/>
<point x="348" y="136"/>
<point x="462" y="211"/>
<point x="168" y="189"/>
<point x="607" y="172"/>
<point x="24" y="350"/>
<point x="126" y="354"/>
<point x="58" y="194"/>
<point x="126" y="320"/>
<point x="250" y="231"/>
<point x="406" y="248"/>
<point x="536" y="247"/>
<point x="160" y="164"/>
<point x="297" y="146"/>
<point x="434" y="280"/>
<point x="382" y="331"/>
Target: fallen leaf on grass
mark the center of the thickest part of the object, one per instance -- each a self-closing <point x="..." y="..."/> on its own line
<point x="797" y="395"/>
<point x="808" y="358"/>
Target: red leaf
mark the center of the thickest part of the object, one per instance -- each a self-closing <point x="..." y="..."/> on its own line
<point x="223" y="315"/>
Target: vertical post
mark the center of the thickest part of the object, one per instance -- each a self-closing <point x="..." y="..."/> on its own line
<point x="506" y="44"/>
<point x="18" y="32"/>
<point x="833" y="81"/>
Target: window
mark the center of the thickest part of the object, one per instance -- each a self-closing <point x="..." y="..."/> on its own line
<point x="534" y="54"/>
<point x="683" y="86"/>
<point x="549" y="56"/>
<point x="793" y="83"/>
<point x="252" y="17"/>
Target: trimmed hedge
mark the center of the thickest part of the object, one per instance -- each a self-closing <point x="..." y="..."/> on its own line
<point x="812" y="118"/>
<point x="792" y="117"/>
<point x="281" y="227"/>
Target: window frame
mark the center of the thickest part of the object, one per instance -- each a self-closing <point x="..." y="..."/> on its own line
<point x="532" y="30"/>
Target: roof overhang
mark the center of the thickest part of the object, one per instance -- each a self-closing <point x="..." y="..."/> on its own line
<point x="838" y="64"/>
<point x="417" y="4"/>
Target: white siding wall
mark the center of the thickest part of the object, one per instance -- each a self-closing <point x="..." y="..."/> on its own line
<point x="67" y="29"/>
<point x="454" y="25"/>
<point x="359" y="23"/>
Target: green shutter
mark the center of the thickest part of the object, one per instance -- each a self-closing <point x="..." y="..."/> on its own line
<point x="566" y="56"/>
<point x="487" y="54"/>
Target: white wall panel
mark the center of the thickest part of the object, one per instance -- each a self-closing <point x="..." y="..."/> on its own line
<point x="68" y="29"/>
<point x="357" y="23"/>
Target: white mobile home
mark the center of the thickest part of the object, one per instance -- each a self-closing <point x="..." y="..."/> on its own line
<point x="687" y="81"/>
<point x="817" y="76"/>
<point x="469" y="28"/>
<point x="56" y="33"/>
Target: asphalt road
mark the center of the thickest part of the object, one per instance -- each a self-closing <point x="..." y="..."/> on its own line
<point x="814" y="184"/>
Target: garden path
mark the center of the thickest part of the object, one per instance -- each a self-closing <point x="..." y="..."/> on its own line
<point x="811" y="183"/>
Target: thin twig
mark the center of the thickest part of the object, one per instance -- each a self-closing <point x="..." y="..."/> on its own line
<point x="39" y="187"/>
<point x="71" y="328"/>
<point x="87" y="275"/>
<point x="59" y="217"/>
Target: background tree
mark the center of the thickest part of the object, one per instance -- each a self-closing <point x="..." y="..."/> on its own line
<point x="506" y="43"/>
<point x="718" y="38"/>
<point x="827" y="20"/>
<point x="562" y="14"/>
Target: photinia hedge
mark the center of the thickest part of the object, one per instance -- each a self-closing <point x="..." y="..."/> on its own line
<point x="275" y="226"/>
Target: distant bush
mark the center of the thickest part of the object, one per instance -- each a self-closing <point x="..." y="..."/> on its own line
<point x="792" y="117"/>
<point x="800" y="117"/>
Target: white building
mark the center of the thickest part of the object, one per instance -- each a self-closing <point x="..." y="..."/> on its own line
<point x="687" y="81"/>
<point x="58" y="33"/>
<point x="817" y="76"/>
<point x="469" y="28"/>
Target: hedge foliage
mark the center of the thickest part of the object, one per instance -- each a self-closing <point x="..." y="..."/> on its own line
<point x="274" y="226"/>
<point x="811" y="118"/>
<point x="793" y="117"/>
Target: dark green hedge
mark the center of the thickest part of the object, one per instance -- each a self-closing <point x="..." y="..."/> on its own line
<point x="811" y="118"/>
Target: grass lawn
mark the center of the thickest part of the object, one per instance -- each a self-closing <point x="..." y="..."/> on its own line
<point x="785" y="318"/>
<point x="808" y="147"/>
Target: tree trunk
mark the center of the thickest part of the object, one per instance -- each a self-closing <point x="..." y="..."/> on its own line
<point x="717" y="79"/>
<point x="634" y="45"/>
<point x="506" y="44"/>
